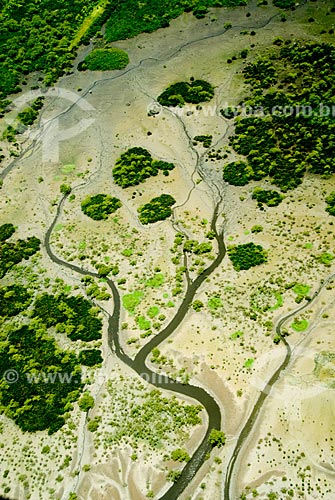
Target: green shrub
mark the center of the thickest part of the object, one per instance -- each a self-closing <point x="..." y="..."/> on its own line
<point x="330" y="200"/>
<point x="180" y="455"/>
<point x="217" y="438"/>
<point x="256" y="229"/>
<point x="128" y="20"/>
<point x="86" y="402"/>
<point x="294" y="136"/>
<point x="13" y="252"/>
<point x="105" y="60"/>
<point x="284" y="4"/>
<point x="205" y="139"/>
<point x="197" y="305"/>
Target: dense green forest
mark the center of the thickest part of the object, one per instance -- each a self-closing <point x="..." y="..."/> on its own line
<point x="36" y="36"/>
<point x="246" y="256"/>
<point x="73" y="315"/>
<point x="13" y="252"/>
<point x="30" y="401"/>
<point x="194" y="92"/>
<point x="131" y="18"/>
<point x="100" y="206"/>
<point x="158" y="208"/>
<point x="136" y="165"/>
<point x="104" y="60"/>
<point x="294" y="88"/>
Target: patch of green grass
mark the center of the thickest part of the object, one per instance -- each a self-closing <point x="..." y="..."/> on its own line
<point x="58" y="227"/>
<point x="156" y="281"/>
<point x="131" y="300"/>
<point x="326" y="258"/>
<point x="214" y="303"/>
<point x="67" y="169"/>
<point x="249" y="362"/>
<point x="143" y="323"/>
<point x="308" y="245"/>
<point x="300" y="325"/>
<point x="300" y="289"/>
<point x="153" y="311"/>
<point x="236" y="335"/>
<point x="279" y="303"/>
<point x="127" y="252"/>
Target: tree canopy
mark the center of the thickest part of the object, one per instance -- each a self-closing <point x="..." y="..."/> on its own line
<point x="100" y="206"/>
<point x="245" y="256"/>
<point x="194" y="92"/>
<point x="158" y="208"/>
<point x="136" y="165"/>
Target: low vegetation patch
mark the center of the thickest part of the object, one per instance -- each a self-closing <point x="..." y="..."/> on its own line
<point x="105" y="60"/>
<point x="300" y="325"/>
<point x="131" y="300"/>
<point x="147" y="418"/>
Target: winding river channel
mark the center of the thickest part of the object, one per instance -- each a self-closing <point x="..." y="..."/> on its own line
<point x="138" y="364"/>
